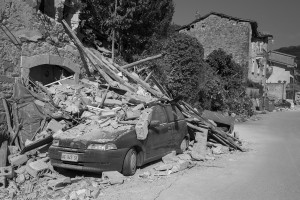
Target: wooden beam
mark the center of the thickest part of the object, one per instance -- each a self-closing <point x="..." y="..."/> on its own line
<point x="149" y="76"/>
<point x="110" y="72"/>
<point x="82" y="48"/>
<point x="141" y="82"/>
<point x="160" y="87"/>
<point x="141" y="61"/>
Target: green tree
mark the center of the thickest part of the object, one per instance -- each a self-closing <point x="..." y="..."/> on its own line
<point x="226" y="89"/>
<point x="182" y="67"/>
<point x="135" y="23"/>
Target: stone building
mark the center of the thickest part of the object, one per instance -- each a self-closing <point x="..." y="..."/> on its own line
<point x="283" y="67"/>
<point x="33" y="44"/>
<point x="280" y="84"/>
<point x="236" y="36"/>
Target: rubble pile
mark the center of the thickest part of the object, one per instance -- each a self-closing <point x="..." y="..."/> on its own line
<point x="116" y="100"/>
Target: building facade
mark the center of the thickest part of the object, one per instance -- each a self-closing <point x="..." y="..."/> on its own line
<point x="33" y="42"/>
<point x="280" y="83"/>
<point x="235" y="36"/>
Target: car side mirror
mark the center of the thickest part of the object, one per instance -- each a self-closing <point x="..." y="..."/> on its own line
<point x="154" y="123"/>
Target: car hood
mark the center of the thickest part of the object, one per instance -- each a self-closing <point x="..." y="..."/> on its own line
<point x="94" y="133"/>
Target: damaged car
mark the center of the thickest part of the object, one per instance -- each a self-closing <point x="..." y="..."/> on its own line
<point x="113" y="146"/>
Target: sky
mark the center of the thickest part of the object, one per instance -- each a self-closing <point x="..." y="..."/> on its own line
<point x="281" y="18"/>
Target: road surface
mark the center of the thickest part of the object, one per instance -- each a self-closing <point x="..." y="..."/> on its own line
<point x="270" y="170"/>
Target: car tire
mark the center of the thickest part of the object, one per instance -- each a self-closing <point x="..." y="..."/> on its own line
<point x="184" y="145"/>
<point x="129" y="165"/>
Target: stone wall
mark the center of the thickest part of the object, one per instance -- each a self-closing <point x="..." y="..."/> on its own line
<point x="27" y="33"/>
<point x="215" y="32"/>
<point x="276" y="91"/>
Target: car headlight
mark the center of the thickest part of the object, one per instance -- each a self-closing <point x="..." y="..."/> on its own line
<point x="55" y="142"/>
<point x="103" y="147"/>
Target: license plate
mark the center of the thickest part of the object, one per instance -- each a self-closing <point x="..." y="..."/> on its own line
<point x="69" y="157"/>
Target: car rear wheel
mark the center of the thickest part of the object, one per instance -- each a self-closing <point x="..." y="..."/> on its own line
<point x="184" y="145"/>
<point x="129" y="165"/>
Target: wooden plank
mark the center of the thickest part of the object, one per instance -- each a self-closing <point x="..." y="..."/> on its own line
<point x="141" y="82"/>
<point x="110" y="72"/>
<point x="82" y="48"/>
<point x="160" y="87"/>
<point x="149" y="76"/>
<point x="141" y="61"/>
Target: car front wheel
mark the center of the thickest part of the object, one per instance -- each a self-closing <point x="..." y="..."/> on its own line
<point x="129" y="165"/>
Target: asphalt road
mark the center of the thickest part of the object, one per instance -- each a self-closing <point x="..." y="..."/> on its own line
<point x="270" y="170"/>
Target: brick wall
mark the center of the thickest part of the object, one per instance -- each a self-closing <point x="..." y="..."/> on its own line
<point x="215" y="32"/>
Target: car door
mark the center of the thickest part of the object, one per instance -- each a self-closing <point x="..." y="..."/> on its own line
<point x="178" y="123"/>
<point x="159" y="140"/>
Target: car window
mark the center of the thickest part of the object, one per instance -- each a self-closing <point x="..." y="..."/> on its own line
<point x="174" y="113"/>
<point x="159" y="114"/>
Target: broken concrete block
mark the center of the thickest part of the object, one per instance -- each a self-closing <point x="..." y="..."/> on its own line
<point x="3" y="182"/>
<point x="220" y="150"/>
<point x="18" y="160"/>
<point x="28" y="188"/>
<point x="141" y="128"/>
<point x="59" y="183"/>
<point x="20" y="179"/>
<point x="73" y="196"/>
<point x="113" y="177"/>
<point x="145" y="174"/>
<point x="7" y="172"/>
<point x="132" y="114"/>
<point x="37" y="168"/>
<point x="108" y="102"/>
<point x="138" y="107"/>
<point x="199" y="148"/>
<point x="170" y="158"/>
<point x="109" y="113"/>
<point x="209" y="157"/>
<point x="163" y="167"/>
<point x="95" y="193"/>
<point x="185" y="156"/>
<point x="180" y="166"/>
<point x="55" y="126"/>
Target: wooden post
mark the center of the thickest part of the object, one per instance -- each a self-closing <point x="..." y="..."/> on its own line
<point x="114" y="35"/>
<point x="141" y="61"/>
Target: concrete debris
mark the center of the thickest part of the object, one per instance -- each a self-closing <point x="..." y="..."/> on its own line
<point x="59" y="183"/>
<point x="180" y="166"/>
<point x="54" y="126"/>
<point x="146" y="174"/>
<point x="18" y="160"/>
<point x="170" y="158"/>
<point x="37" y="168"/>
<point x="113" y="101"/>
<point x="7" y="172"/>
<point x="3" y="182"/>
<point x="20" y="179"/>
<point x="163" y="167"/>
<point x="113" y="177"/>
<point x="219" y="149"/>
<point x="199" y="148"/>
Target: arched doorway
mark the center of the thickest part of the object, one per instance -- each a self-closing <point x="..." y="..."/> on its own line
<point x="48" y="73"/>
<point x="47" y="68"/>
